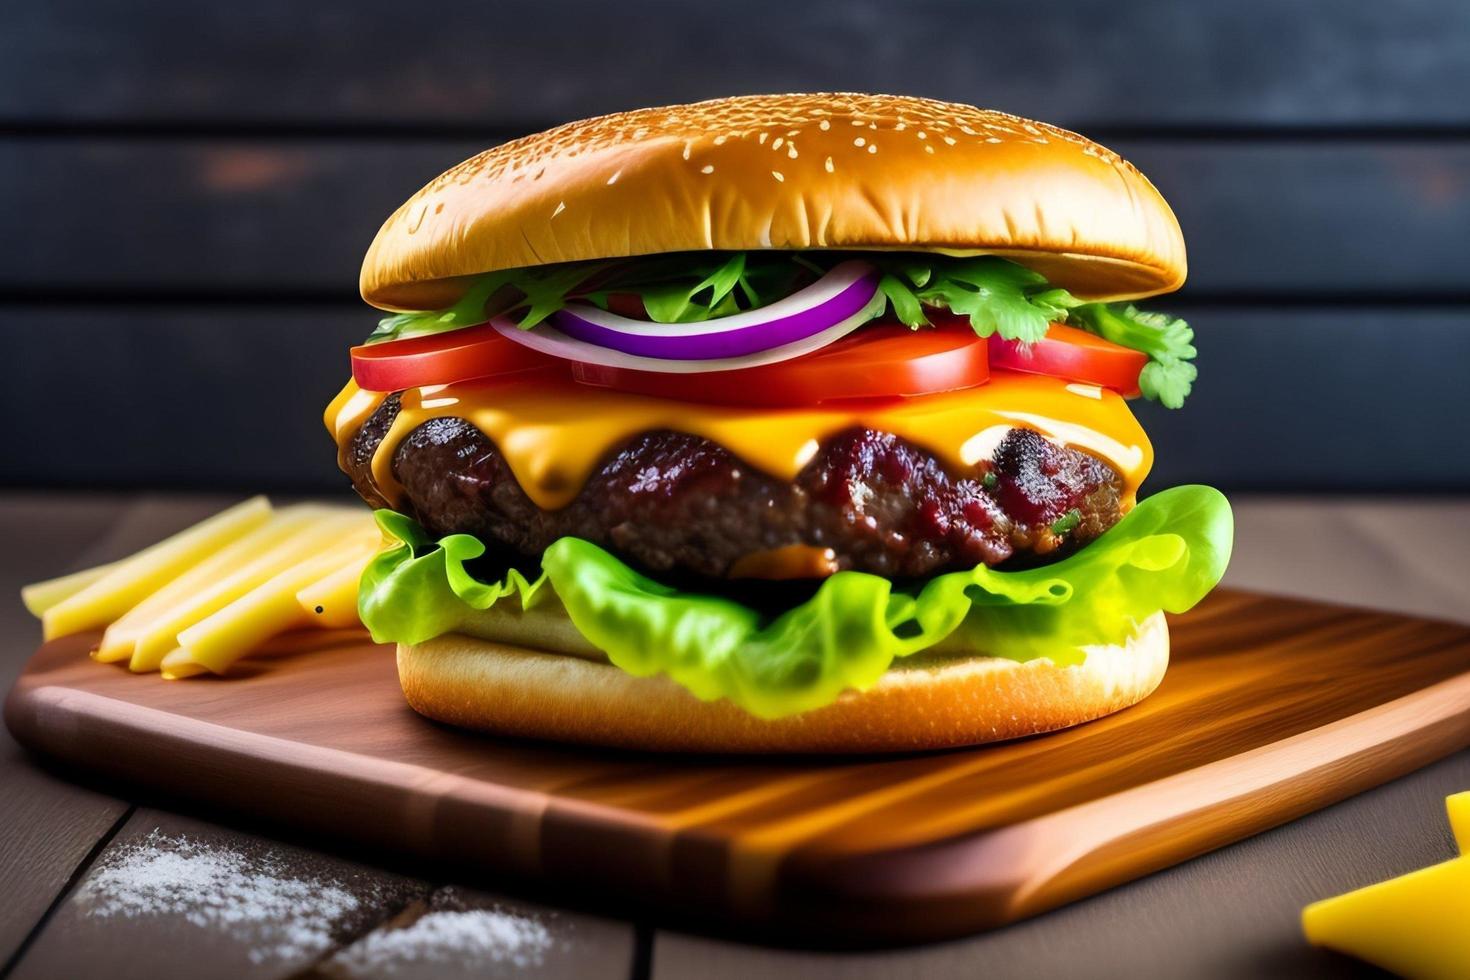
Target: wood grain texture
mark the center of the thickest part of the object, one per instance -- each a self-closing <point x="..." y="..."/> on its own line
<point x="52" y="825"/>
<point x="50" y="828"/>
<point x="1272" y="708"/>
<point x="1228" y="914"/>
<point x="253" y="217"/>
<point x="464" y="933"/>
<point x="173" y="896"/>
<point x="467" y="63"/>
<point x="180" y="375"/>
<point x="49" y="825"/>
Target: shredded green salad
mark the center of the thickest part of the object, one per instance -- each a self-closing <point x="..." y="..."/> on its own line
<point x="998" y="296"/>
<point x="1166" y="554"/>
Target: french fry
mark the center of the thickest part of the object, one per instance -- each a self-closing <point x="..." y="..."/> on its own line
<point x="1459" y="807"/>
<point x="132" y="579"/>
<point x="215" y="592"/>
<point x="41" y="596"/>
<point x="311" y="534"/>
<point x="120" y="640"/>
<point x="271" y="608"/>
<point x="177" y="666"/>
<point x="332" y="601"/>
<point x="335" y="595"/>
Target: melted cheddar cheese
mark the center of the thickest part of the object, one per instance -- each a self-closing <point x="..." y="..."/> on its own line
<point x="553" y="436"/>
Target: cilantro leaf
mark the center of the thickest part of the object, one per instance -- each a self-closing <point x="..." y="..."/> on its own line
<point x="903" y="300"/>
<point x="993" y="293"/>
<point x="1167" y="381"/>
<point x="1057" y="303"/>
<point x="1156" y="334"/>
<point x="1168" y="341"/>
<point x="998" y="296"/>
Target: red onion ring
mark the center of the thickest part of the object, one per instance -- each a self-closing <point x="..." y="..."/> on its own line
<point x="844" y="291"/>
<point x="549" y="340"/>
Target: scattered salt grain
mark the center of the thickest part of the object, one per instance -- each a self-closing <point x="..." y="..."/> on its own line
<point x="438" y="940"/>
<point x="282" y="916"/>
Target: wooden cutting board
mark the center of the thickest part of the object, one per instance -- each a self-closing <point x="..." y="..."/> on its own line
<point x="1272" y="708"/>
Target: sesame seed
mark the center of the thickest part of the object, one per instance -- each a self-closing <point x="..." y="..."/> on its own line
<point x="762" y="140"/>
<point x="791" y="150"/>
<point x="967" y="131"/>
<point x="859" y="142"/>
<point x="949" y="140"/>
<point x="872" y="125"/>
<point x="559" y="209"/>
<point x="923" y="135"/>
<point x="778" y="175"/>
<point x="829" y="166"/>
<point x="720" y="140"/>
<point x="994" y="139"/>
<point x="793" y="132"/>
<point x="614" y="178"/>
<point x="900" y="127"/>
<point x="686" y="151"/>
<point x="708" y="168"/>
<point x="640" y="132"/>
<point x="776" y="145"/>
<point x="824" y="125"/>
<point x="1031" y="129"/>
<point x="857" y="122"/>
<point x="928" y="148"/>
<point x="872" y="147"/>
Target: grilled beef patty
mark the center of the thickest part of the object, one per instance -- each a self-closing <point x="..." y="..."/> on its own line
<point x="669" y="502"/>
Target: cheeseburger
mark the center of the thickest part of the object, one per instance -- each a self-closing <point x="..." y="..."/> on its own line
<point x="791" y="423"/>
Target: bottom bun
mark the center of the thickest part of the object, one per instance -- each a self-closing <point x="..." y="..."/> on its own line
<point x="510" y="690"/>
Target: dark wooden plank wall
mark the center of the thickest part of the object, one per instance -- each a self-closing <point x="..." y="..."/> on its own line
<point x="187" y="191"/>
<point x="473" y="64"/>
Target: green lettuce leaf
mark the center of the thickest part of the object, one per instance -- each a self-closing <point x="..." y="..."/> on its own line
<point x="421" y="589"/>
<point x="1165" y="555"/>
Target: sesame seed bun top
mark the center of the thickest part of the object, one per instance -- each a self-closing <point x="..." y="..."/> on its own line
<point x="787" y="172"/>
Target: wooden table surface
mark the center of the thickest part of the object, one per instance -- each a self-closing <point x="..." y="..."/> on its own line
<point x="1232" y="913"/>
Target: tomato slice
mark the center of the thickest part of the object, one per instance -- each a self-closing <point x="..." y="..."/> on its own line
<point x="460" y="355"/>
<point x="884" y="361"/>
<point x="1067" y="352"/>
